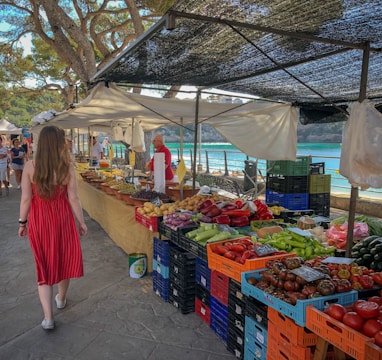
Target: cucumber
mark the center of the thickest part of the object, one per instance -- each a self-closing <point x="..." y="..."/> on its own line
<point x="367" y="258"/>
<point x="378" y="247"/>
<point x="363" y="251"/>
<point x="366" y="241"/>
<point x="355" y="254"/>
<point x="378" y="257"/>
<point x="377" y="241"/>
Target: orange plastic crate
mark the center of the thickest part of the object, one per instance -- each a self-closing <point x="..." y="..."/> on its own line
<point x="373" y="352"/>
<point x="298" y="335"/>
<point x="232" y="268"/>
<point x="150" y="223"/>
<point x="350" y="341"/>
<point x="281" y="348"/>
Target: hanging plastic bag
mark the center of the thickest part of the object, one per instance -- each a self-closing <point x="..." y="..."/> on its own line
<point x="360" y="161"/>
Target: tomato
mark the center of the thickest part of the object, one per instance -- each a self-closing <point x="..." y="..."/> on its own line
<point x="378" y="338"/>
<point x="367" y="309"/>
<point x="353" y="320"/>
<point x="376" y="299"/>
<point x="371" y="327"/>
<point x="326" y="287"/>
<point x="377" y="277"/>
<point x="366" y="281"/>
<point x="343" y="285"/>
<point x="336" y="311"/>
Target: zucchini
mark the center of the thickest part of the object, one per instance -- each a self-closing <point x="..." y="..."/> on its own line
<point x="379" y="266"/>
<point x="367" y="258"/>
<point x="359" y="261"/>
<point x="378" y="247"/>
<point x="355" y="254"/>
<point x="366" y="241"/>
<point x="375" y="242"/>
<point x="378" y="257"/>
<point x="363" y="251"/>
<point x="373" y="265"/>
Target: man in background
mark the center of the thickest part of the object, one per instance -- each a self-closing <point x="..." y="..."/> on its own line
<point x="96" y="151"/>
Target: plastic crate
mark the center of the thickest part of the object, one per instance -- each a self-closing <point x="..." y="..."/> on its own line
<point x="160" y="285"/>
<point x="184" y="278"/>
<point x="150" y="223"/>
<point x="186" y="243"/>
<point x="235" y="342"/>
<point x="168" y="232"/>
<point x="295" y="312"/>
<point x="161" y="269"/>
<point x="234" y="291"/>
<point x="287" y="184"/>
<point x="317" y="168"/>
<point x="255" y="331"/>
<point x="320" y="203"/>
<point x="232" y="268"/>
<point x="203" y="311"/>
<point x="257" y="311"/>
<point x="180" y="255"/>
<point x="373" y="352"/>
<point x="280" y="348"/>
<point x="254" y="352"/>
<point x="161" y="251"/>
<point x="235" y="320"/>
<point x="184" y="305"/>
<point x="297" y="201"/>
<point x="319" y="184"/>
<point x="350" y="341"/>
<point x="202" y="273"/>
<point x="298" y="335"/>
<point x="300" y="167"/>
<point x="219" y="286"/>
<point x="202" y="294"/>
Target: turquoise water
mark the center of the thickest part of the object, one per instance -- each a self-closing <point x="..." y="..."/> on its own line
<point x="329" y="153"/>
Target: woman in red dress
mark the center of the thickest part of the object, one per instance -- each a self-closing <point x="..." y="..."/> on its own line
<point x="48" y="209"/>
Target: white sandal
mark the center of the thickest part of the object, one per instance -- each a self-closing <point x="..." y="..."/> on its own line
<point x="60" y="304"/>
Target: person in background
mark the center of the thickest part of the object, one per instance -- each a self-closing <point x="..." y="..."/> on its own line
<point x="71" y="148"/>
<point x="3" y="167"/>
<point x="9" y="159"/>
<point x="160" y="147"/>
<point x="26" y="148"/>
<point x="49" y="208"/>
<point x="17" y="155"/>
<point x="96" y="151"/>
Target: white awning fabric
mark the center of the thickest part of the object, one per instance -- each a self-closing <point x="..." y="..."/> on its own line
<point x="265" y="130"/>
<point x="8" y="128"/>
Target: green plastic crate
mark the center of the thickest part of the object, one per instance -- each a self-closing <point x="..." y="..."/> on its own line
<point x="300" y="167"/>
<point x="319" y="184"/>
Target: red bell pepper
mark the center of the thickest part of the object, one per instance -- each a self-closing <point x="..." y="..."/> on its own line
<point x="211" y="211"/>
<point x="205" y="204"/>
<point x="222" y="219"/>
<point x="267" y="215"/>
<point x="239" y="221"/>
<point x="239" y="203"/>
<point x="236" y="213"/>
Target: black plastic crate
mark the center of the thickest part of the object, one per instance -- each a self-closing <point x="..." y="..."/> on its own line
<point x="178" y="290"/>
<point x="235" y="342"/>
<point x="236" y="308"/>
<point x="257" y="311"/>
<point x="317" y="168"/>
<point x="183" y="281"/>
<point x="320" y="204"/>
<point x="202" y="252"/>
<point x="234" y="290"/>
<point x="235" y="320"/>
<point x="185" y="242"/>
<point x="186" y="306"/>
<point x="185" y="274"/>
<point x="202" y="294"/>
<point x="181" y="255"/>
<point x="287" y="184"/>
<point x="169" y="233"/>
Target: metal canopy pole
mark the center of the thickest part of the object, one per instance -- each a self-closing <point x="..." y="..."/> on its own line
<point x="195" y="139"/>
<point x="354" y="189"/>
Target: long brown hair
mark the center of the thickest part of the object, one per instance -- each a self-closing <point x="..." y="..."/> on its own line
<point x="52" y="161"/>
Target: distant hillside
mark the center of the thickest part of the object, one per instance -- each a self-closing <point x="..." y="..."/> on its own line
<point x="329" y="133"/>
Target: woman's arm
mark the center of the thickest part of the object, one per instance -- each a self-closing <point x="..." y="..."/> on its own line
<point x="26" y="196"/>
<point x="75" y="201"/>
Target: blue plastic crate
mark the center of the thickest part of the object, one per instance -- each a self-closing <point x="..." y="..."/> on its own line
<point x="219" y="327"/>
<point x="218" y="309"/>
<point x="161" y="251"/>
<point x="256" y="352"/>
<point x="254" y="331"/>
<point x="161" y="269"/>
<point x="298" y="201"/>
<point x="296" y="312"/>
<point x="202" y="273"/>
<point x="161" y="286"/>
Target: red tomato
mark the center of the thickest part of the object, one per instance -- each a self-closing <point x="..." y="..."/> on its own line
<point x="378" y="338"/>
<point x="371" y="327"/>
<point x="353" y="320"/>
<point x="336" y="311"/>
<point x="377" y="277"/>
<point x="367" y="309"/>
<point x="376" y="299"/>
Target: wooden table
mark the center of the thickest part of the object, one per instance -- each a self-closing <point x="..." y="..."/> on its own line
<point x="118" y="220"/>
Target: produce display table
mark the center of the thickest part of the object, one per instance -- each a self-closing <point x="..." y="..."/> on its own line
<point x="118" y="220"/>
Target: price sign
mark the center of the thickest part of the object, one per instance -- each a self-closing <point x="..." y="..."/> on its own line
<point x="307" y="273"/>
<point x="264" y="249"/>
<point x="156" y="201"/>
<point x="181" y="170"/>
<point x="132" y="158"/>
<point x="338" y="260"/>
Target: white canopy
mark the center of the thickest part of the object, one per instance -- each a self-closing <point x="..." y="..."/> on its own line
<point x="8" y="128"/>
<point x="263" y="130"/>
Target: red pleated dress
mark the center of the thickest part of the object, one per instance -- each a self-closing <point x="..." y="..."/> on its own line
<point x="54" y="238"/>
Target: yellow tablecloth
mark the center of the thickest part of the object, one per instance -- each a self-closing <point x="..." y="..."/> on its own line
<point x="118" y="220"/>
